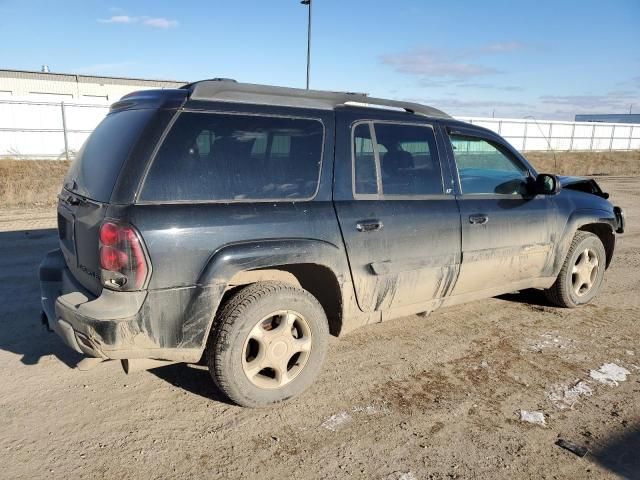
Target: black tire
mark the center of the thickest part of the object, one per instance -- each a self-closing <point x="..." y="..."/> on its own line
<point x="562" y="292"/>
<point x="232" y="327"/>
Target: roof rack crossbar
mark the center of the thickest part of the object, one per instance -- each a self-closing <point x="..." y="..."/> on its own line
<point x="231" y="91"/>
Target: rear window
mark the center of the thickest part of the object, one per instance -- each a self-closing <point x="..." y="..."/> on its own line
<point x="95" y="169"/>
<point x="222" y="157"/>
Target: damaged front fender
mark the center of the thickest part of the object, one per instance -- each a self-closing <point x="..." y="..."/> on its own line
<point x="585" y="218"/>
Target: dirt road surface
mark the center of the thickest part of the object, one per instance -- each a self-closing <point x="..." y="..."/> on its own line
<point x="436" y="397"/>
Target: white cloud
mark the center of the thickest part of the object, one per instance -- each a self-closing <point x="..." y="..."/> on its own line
<point x="631" y="82"/>
<point x="547" y="107"/>
<point x="502" y="47"/>
<point x="491" y="86"/>
<point x="462" y="105"/>
<point x="118" y="19"/>
<point x="612" y="102"/>
<point x="448" y="63"/>
<point x="153" y="22"/>
<point x="432" y="63"/>
<point x="160" y="22"/>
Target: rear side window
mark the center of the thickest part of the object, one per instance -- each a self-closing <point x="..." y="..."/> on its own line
<point x="95" y="169"/>
<point x="211" y="156"/>
<point x="395" y="159"/>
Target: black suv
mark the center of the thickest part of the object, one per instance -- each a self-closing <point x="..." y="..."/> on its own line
<point x="241" y="225"/>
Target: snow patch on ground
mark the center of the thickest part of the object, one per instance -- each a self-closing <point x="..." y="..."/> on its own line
<point x="372" y="409"/>
<point x="533" y="417"/>
<point x="334" y="422"/>
<point x="563" y="396"/>
<point x="550" y="340"/>
<point x="401" y="476"/>
<point x="610" y="374"/>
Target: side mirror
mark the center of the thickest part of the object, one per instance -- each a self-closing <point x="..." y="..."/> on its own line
<point x="547" y="184"/>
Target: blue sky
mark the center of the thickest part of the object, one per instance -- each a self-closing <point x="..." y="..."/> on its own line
<point x="547" y="59"/>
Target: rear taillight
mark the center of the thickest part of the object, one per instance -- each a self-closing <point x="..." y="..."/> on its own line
<point x="123" y="262"/>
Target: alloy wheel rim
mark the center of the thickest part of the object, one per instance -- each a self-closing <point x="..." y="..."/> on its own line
<point x="584" y="272"/>
<point x="276" y="349"/>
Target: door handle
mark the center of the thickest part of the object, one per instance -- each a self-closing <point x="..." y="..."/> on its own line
<point x="369" y="225"/>
<point x="478" y="219"/>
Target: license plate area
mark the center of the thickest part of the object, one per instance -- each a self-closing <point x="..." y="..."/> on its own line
<point x="66" y="232"/>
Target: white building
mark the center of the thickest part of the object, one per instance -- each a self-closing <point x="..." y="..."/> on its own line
<point x="47" y="86"/>
<point x="49" y="115"/>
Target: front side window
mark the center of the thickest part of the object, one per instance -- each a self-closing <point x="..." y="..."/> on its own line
<point x="400" y="160"/>
<point x="211" y="156"/>
<point x="486" y="168"/>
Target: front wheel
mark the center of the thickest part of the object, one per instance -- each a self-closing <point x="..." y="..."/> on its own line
<point x="582" y="273"/>
<point x="268" y="344"/>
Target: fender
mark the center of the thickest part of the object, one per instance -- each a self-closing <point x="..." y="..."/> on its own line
<point x="238" y="257"/>
<point x="577" y="219"/>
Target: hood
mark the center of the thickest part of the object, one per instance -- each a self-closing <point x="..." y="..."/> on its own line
<point x="568" y="180"/>
<point x="583" y="184"/>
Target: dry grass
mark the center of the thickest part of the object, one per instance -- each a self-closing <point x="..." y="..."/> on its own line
<point x="586" y="163"/>
<point x="31" y="182"/>
<point x="37" y="182"/>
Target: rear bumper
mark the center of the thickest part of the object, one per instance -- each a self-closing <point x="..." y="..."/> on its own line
<point x="116" y="325"/>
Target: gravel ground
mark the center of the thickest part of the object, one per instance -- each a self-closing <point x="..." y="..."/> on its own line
<point x="436" y="397"/>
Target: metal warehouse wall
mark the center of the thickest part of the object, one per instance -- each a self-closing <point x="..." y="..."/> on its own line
<point x="60" y="86"/>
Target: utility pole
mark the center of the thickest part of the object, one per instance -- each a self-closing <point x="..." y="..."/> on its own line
<point x="308" y="3"/>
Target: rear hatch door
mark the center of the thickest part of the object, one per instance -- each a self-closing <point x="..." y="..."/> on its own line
<point x="87" y="190"/>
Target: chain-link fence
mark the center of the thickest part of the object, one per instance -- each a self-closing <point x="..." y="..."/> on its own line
<point x="56" y="130"/>
<point x="543" y="135"/>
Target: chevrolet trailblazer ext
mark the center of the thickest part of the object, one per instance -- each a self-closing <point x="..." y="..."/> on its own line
<point x="242" y="225"/>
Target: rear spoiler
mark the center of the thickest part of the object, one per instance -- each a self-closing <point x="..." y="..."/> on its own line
<point x="167" y="98"/>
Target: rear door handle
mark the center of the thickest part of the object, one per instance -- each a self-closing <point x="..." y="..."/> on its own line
<point x="478" y="219"/>
<point x="369" y="225"/>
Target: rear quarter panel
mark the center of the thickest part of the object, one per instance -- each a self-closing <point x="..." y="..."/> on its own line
<point x="182" y="239"/>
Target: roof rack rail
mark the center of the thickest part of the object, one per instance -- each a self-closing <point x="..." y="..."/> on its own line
<point x="227" y="90"/>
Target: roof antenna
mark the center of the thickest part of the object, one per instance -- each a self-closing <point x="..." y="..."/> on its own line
<point x="548" y="140"/>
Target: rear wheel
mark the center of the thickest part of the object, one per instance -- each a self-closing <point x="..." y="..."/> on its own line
<point x="582" y="273"/>
<point x="268" y="344"/>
